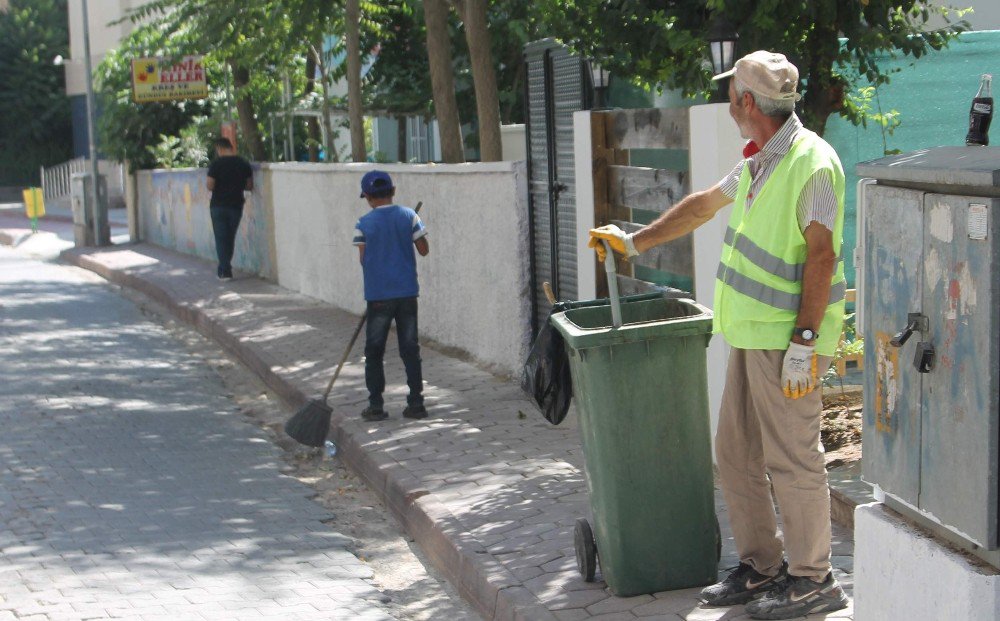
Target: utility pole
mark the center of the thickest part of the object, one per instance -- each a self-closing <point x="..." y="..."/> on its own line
<point x="100" y="210"/>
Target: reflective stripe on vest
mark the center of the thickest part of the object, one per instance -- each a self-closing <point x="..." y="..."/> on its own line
<point x="769" y="295"/>
<point x="765" y="260"/>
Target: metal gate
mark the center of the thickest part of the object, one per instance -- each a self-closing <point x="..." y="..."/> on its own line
<point x="557" y="86"/>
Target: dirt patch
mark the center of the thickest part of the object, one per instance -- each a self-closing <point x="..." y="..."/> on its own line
<point x="841" y="426"/>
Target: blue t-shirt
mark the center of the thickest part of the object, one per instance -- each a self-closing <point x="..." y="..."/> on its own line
<point x="390" y="262"/>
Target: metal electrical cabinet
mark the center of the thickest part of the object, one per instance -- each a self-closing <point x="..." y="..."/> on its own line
<point x="929" y="265"/>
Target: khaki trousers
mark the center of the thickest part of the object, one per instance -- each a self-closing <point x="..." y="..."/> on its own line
<point x="762" y="431"/>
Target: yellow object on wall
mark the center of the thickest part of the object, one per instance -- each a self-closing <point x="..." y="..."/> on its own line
<point x="34" y="203"/>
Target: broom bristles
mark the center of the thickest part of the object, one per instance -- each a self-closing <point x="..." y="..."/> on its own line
<point x="311" y="424"/>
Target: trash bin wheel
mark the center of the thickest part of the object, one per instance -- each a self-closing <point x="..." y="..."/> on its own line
<point x="586" y="549"/>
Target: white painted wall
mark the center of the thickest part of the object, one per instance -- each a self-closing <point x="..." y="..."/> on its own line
<point x="716" y="147"/>
<point x="103" y="35"/>
<point x="512" y="143"/>
<point x="586" y="278"/>
<point x="474" y="283"/>
<point x="901" y="572"/>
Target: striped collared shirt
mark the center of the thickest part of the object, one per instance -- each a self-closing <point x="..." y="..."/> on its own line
<point x="817" y="202"/>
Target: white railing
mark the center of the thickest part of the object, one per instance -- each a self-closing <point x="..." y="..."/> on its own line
<point x="56" y="179"/>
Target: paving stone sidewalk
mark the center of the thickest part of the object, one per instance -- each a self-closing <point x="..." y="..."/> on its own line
<point x="488" y="488"/>
<point x="132" y="488"/>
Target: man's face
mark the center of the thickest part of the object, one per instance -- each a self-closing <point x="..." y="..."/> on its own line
<point x="738" y="110"/>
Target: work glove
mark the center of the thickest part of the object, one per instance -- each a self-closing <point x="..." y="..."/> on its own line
<point x="621" y="242"/>
<point x="798" y="371"/>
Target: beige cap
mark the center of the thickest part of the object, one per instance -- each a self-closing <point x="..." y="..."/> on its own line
<point x="768" y="74"/>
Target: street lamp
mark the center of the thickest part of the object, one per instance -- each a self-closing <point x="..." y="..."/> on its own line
<point x="602" y="78"/>
<point x="722" y="39"/>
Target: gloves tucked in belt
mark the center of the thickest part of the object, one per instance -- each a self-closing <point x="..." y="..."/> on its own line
<point x="798" y="372"/>
<point x="621" y="242"/>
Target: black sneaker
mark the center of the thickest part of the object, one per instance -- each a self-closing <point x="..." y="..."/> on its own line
<point x="742" y="585"/>
<point x="799" y="597"/>
<point x="415" y="411"/>
<point x="373" y="414"/>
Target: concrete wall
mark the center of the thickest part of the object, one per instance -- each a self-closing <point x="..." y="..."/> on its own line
<point x="105" y="35"/>
<point x="902" y="572"/>
<point x="173" y="213"/>
<point x="474" y="283"/>
<point x="298" y="225"/>
<point x="512" y="142"/>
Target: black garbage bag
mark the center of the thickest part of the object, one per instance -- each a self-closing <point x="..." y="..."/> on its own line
<point x="546" y="377"/>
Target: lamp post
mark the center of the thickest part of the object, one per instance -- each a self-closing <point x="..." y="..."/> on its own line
<point x="99" y="209"/>
<point x="601" y="77"/>
<point x="722" y="39"/>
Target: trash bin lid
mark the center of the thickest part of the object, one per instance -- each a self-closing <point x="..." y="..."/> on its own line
<point x="643" y="320"/>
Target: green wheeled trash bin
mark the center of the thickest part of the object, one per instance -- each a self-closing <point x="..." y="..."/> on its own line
<point x="641" y="392"/>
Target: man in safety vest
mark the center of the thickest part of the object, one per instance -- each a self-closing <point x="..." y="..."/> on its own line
<point x="779" y="302"/>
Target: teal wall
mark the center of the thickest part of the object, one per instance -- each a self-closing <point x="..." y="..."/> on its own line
<point x="933" y="96"/>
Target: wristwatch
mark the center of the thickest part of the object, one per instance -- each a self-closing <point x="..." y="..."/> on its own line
<point x="806" y="334"/>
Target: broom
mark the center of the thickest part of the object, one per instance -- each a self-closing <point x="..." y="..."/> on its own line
<point x="311" y="424"/>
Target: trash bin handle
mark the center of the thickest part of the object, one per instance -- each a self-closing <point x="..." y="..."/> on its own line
<point x="609" y="267"/>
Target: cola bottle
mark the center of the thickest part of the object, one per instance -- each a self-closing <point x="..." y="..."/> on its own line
<point x="981" y="114"/>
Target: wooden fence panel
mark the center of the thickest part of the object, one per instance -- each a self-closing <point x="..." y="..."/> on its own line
<point x="648" y="128"/>
<point x="650" y="189"/>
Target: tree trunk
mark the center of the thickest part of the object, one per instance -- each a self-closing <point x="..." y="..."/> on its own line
<point x="443" y="81"/>
<point x="477" y="36"/>
<point x="354" y="112"/>
<point x="245" y="110"/>
<point x="825" y="92"/>
<point x="312" y="123"/>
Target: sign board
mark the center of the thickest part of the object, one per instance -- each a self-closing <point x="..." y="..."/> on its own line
<point x="153" y="80"/>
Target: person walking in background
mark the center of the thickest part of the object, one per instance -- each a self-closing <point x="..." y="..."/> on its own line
<point x="779" y="302"/>
<point x="229" y="175"/>
<point x="386" y="238"/>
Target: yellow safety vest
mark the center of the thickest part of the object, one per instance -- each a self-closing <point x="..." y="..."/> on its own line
<point x="759" y="282"/>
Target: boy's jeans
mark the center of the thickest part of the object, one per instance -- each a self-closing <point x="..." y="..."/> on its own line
<point x="380" y="316"/>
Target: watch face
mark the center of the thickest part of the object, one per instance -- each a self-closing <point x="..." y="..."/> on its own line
<point x="807" y="334"/>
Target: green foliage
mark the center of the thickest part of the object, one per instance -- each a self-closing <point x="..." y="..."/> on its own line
<point x="665" y="44"/>
<point x="850" y="345"/>
<point x="188" y="150"/>
<point x="35" y="126"/>
<point x="132" y="131"/>
<point x="858" y="104"/>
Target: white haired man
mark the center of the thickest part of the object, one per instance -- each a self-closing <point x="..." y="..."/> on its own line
<point x="779" y="303"/>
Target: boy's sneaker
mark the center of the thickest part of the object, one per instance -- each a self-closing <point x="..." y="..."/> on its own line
<point x="742" y="585"/>
<point x="415" y="412"/>
<point x="799" y="597"/>
<point x="373" y="414"/>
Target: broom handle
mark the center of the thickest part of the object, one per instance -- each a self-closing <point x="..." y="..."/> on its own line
<point x="347" y="353"/>
<point x="354" y="337"/>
